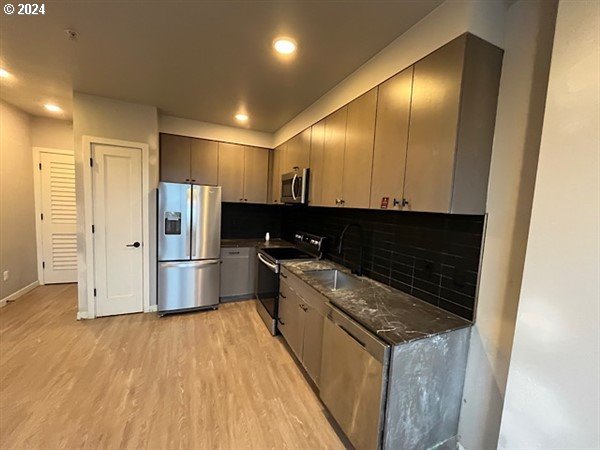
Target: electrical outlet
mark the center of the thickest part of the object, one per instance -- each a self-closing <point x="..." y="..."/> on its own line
<point x="5" y="275"/>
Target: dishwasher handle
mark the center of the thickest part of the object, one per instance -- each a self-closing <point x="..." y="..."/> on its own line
<point x="363" y="337"/>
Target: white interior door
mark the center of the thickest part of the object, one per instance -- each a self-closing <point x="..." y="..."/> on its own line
<point x="118" y="256"/>
<point x="58" y="218"/>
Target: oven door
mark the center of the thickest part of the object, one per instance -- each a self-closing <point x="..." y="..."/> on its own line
<point x="267" y="291"/>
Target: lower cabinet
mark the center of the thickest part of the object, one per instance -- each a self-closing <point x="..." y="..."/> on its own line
<point x="301" y="322"/>
<point x="237" y="273"/>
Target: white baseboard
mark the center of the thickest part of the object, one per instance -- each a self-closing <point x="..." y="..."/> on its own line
<point x="19" y="293"/>
<point x="82" y="315"/>
<point x="153" y="308"/>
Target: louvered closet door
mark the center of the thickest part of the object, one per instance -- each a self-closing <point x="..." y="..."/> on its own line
<point x="59" y="238"/>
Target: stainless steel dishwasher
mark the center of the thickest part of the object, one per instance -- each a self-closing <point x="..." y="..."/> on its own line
<point x="354" y="379"/>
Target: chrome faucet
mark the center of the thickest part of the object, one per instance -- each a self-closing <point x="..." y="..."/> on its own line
<point x="358" y="269"/>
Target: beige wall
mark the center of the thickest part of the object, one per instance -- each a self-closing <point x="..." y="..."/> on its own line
<point x="204" y="130"/>
<point x="529" y="30"/>
<point x="106" y="118"/>
<point x="51" y="133"/>
<point x="17" y="212"/>
<point x="553" y="393"/>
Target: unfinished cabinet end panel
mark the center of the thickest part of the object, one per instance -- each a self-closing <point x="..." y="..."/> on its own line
<point x="433" y="128"/>
<point x="175" y="158"/>
<point x="481" y="82"/>
<point x="204" y="162"/>
<point x="391" y="140"/>
<point x="231" y="172"/>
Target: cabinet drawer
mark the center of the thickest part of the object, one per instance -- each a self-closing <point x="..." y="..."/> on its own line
<point x="291" y="319"/>
<point x="304" y="290"/>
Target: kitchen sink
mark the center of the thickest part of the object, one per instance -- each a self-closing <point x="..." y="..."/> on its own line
<point x="334" y="279"/>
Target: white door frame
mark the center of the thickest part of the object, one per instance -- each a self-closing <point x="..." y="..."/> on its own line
<point x="88" y="143"/>
<point x="37" y="195"/>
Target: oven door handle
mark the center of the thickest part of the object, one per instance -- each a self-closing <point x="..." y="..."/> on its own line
<point x="294" y="196"/>
<point x="267" y="263"/>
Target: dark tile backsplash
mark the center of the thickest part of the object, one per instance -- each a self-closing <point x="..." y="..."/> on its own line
<point x="434" y="257"/>
<point x="244" y="220"/>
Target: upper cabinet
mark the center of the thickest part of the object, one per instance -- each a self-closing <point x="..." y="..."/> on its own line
<point x="296" y="153"/>
<point x="358" y="154"/>
<point x="334" y="143"/>
<point x="231" y="172"/>
<point x="204" y="161"/>
<point x="188" y="160"/>
<point x="256" y="170"/>
<point x="275" y="175"/>
<point x="243" y="173"/>
<point x="454" y="97"/>
<point x="315" y="182"/>
<point x="391" y="140"/>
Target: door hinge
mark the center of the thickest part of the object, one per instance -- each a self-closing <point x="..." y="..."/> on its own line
<point x="91" y="162"/>
<point x="93" y="229"/>
<point x="42" y="216"/>
<point x="94" y="292"/>
<point x="40" y="166"/>
<point x="43" y="264"/>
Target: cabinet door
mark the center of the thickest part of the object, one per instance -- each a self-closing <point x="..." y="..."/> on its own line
<point x="276" y="175"/>
<point x="358" y="155"/>
<point x="312" y="342"/>
<point x="433" y="129"/>
<point x="231" y="172"/>
<point x="315" y="181"/>
<point x="297" y="153"/>
<point x="237" y="274"/>
<point x="175" y="158"/>
<point x="256" y="174"/>
<point x="391" y="139"/>
<point x="204" y="157"/>
<point x="333" y="157"/>
<point x="291" y="319"/>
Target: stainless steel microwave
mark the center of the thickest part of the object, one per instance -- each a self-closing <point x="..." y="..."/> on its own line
<point x="294" y="187"/>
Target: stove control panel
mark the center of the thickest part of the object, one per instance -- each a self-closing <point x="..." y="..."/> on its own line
<point x="309" y="242"/>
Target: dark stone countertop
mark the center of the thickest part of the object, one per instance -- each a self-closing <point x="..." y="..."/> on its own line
<point x="254" y="242"/>
<point x="394" y="316"/>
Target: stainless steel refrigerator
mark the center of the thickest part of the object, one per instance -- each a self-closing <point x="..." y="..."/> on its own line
<point x="189" y="243"/>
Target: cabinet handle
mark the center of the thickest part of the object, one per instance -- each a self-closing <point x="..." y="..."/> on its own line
<point x="404" y="202"/>
<point x="304" y="308"/>
<point x="283" y="275"/>
<point x="241" y="199"/>
<point x="281" y="295"/>
<point x="280" y="321"/>
<point x="245" y="199"/>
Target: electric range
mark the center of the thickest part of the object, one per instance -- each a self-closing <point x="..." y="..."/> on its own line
<point x="306" y="246"/>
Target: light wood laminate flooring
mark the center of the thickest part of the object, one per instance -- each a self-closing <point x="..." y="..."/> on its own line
<point x="209" y="380"/>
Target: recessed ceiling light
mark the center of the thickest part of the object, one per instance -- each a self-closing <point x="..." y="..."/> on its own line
<point x="52" y="108"/>
<point x="241" y="117"/>
<point x="285" y="46"/>
<point x="4" y="73"/>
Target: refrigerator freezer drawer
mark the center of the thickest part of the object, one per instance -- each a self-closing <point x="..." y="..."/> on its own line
<point x="188" y="284"/>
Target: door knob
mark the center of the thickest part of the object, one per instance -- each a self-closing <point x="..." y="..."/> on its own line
<point x="136" y="244"/>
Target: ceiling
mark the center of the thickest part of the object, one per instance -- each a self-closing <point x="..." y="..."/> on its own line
<point x="203" y="60"/>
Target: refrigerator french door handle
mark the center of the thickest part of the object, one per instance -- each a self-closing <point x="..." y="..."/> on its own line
<point x="191" y="265"/>
<point x="188" y="236"/>
<point x="193" y="218"/>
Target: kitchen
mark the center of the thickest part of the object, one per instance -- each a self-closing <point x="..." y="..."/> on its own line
<point x="323" y="276"/>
